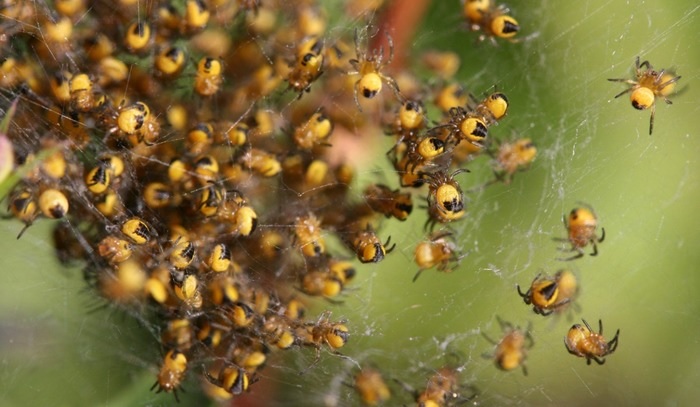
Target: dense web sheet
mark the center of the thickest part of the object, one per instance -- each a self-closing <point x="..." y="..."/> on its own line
<point x="592" y="149"/>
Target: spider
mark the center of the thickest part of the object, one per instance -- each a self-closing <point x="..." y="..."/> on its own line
<point x="369" y="67"/>
<point x="582" y="223"/>
<point x="371" y="387"/>
<point x="492" y="19"/>
<point x="445" y="198"/>
<point x="583" y="342"/>
<point x="648" y="86"/>
<point x="511" y="351"/>
<point x="550" y="293"/>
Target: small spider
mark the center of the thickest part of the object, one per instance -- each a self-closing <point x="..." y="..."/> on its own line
<point x="443" y="388"/>
<point x="334" y="335"/>
<point x="493" y="20"/>
<point x="440" y="251"/>
<point x="445" y="198"/>
<point x="371" y="387"/>
<point x="548" y="294"/>
<point x="647" y="86"/>
<point x="581" y="224"/>
<point x="511" y="351"/>
<point x="512" y="157"/>
<point x="583" y="342"/>
<point x="465" y="125"/>
<point x="369" y="67"/>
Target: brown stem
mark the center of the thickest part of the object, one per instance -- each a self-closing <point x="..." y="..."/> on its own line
<point x="400" y="19"/>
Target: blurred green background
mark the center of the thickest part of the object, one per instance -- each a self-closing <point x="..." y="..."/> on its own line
<point x="56" y="349"/>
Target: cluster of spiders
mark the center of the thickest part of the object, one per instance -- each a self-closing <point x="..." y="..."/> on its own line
<point x="154" y="139"/>
<point x="189" y="171"/>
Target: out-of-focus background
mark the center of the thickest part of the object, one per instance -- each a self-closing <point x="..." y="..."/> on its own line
<point x="59" y="346"/>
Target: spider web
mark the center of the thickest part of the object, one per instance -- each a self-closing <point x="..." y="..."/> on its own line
<point x="591" y="148"/>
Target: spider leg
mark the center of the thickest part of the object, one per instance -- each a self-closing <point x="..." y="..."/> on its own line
<point x="504" y="324"/>
<point x="21" y="232"/>
<point x="668" y="82"/>
<point x="602" y="235"/>
<point x="623" y="92"/>
<point x="430" y="224"/>
<point x="644" y="64"/>
<point x="577" y="256"/>
<point x="460" y="171"/>
<point x="411" y="164"/>
<point x="314" y="363"/>
<point x="460" y="257"/>
<point x="571" y="349"/>
<point x="595" y="248"/>
<point x="525" y="295"/>
<point x="612" y="345"/>
<point x="213" y="380"/>
<point x="357" y="44"/>
<point x="407" y="387"/>
<point x="357" y="101"/>
<point x="390" y="249"/>
<point x="346" y="357"/>
<point x="561" y="304"/>
<point x="528" y="336"/>
<point x="651" y="119"/>
<point x="597" y="360"/>
<point x="625" y="80"/>
<point x="418" y="273"/>
<point x="490" y="340"/>
<point x="356" y="65"/>
<point x="444" y="265"/>
<point x="390" y="41"/>
<point x="379" y="58"/>
<point x="658" y="77"/>
<point x="394" y="86"/>
<point x="440" y="235"/>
